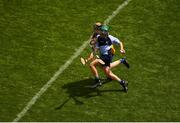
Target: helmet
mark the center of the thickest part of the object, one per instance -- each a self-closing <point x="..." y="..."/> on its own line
<point x="104" y="28"/>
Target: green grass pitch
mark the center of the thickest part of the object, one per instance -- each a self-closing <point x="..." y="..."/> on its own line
<point x="38" y="36"/>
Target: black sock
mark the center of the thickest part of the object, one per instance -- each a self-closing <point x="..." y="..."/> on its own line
<point x="97" y="79"/>
<point x="121" y="82"/>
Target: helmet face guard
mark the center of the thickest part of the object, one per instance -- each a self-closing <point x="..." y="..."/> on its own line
<point x="104" y="30"/>
<point x="104" y="33"/>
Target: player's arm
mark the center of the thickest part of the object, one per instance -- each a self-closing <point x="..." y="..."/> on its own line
<point x="122" y="48"/>
<point x="118" y="42"/>
<point x="92" y="41"/>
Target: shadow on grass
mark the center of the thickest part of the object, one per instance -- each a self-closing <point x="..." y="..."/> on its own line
<point x="81" y="89"/>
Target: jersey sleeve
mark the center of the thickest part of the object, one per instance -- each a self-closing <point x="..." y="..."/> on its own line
<point x="114" y="39"/>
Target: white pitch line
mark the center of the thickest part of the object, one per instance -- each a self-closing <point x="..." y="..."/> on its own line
<point x="63" y="67"/>
<point x="121" y="6"/>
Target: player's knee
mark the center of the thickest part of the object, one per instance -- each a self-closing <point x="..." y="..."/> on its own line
<point x="107" y="73"/>
<point x="91" y="65"/>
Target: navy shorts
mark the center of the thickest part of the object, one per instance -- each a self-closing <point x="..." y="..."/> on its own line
<point x="107" y="59"/>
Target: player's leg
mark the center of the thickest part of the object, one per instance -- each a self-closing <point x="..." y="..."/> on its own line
<point x="125" y="62"/>
<point x="118" y="62"/>
<point x="110" y="74"/>
<point x="93" y="65"/>
<point x="91" y="56"/>
<point x="114" y="64"/>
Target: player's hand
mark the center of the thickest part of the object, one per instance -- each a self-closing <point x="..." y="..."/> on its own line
<point x="92" y="42"/>
<point x="122" y="51"/>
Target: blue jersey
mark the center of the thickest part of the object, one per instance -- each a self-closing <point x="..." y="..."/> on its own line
<point x="104" y="44"/>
